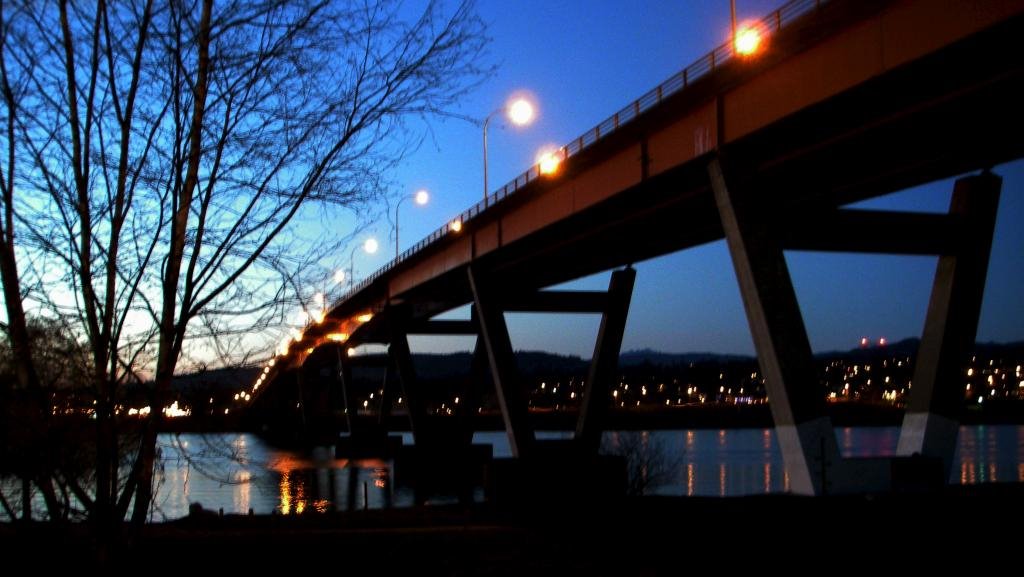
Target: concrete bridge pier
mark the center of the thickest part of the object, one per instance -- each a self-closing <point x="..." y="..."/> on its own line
<point x="343" y="381"/>
<point x="931" y="423"/>
<point x="400" y="358"/>
<point x="366" y="437"/>
<point x="443" y="458"/>
<point x="501" y="358"/>
<point x="962" y="239"/>
<point x="805" y="433"/>
<point x="580" y="474"/>
<point x="605" y="362"/>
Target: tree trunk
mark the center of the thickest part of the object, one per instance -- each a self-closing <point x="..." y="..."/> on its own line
<point x="171" y="330"/>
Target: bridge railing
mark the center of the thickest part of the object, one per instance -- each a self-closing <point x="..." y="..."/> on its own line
<point x="770" y="24"/>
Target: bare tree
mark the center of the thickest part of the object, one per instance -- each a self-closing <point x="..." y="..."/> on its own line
<point x="34" y="447"/>
<point x="649" y="460"/>
<point x="160" y="155"/>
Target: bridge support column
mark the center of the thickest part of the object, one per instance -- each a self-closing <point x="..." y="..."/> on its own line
<point x="469" y="394"/>
<point x="507" y="384"/>
<point x="401" y="359"/>
<point x="386" y="395"/>
<point x="804" y="432"/>
<point x="301" y="395"/>
<point x="605" y="362"/>
<point x="343" y="373"/>
<point x="931" y="423"/>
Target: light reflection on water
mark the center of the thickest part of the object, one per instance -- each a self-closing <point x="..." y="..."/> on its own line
<point x="238" y="472"/>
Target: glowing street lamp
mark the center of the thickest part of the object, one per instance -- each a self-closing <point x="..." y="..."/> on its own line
<point x="340" y="276"/>
<point x="747" y="40"/>
<point x="320" y="300"/>
<point x="520" y="111"/>
<point x="548" y="161"/>
<point x="370" y="246"/>
<point x="422" y="197"/>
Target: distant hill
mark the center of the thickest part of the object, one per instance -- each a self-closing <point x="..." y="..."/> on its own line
<point x="216" y="379"/>
<point x="908" y="347"/>
<point x="648" y="356"/>
<point x="439" y="366"/>
<point x="434" y="366"/>
<point x="904" y="348"/>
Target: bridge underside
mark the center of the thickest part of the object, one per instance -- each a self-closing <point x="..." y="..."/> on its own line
<point x="780" y="187"/>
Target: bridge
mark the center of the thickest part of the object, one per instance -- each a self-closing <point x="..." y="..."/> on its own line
<point x="845" y="100"/>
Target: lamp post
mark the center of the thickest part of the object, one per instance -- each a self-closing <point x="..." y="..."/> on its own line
<point x="370" y="246"/>
<point x="520" y="112"/>
<point x="340" y="276"/>
<point x="422" y="197"/>
<point x="732" y="18"/>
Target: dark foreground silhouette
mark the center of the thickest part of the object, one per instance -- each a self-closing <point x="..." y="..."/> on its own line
<point x="954" y="527"/>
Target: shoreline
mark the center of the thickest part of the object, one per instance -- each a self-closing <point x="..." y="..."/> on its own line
<point x="674" y="418"/>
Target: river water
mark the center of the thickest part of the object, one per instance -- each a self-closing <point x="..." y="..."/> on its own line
<point x="238" y="472"/>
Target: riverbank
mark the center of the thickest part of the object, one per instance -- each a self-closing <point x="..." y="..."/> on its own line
<point x="642" y="536"/>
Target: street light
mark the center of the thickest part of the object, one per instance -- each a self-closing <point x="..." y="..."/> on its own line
<point x="548" y="160"/>
<point x="422" y="197"/>
<point x="520" y="111"/>
<point x="746" y="39"/>
<point x="370" y="246"/>
<point x="732" y="19"/>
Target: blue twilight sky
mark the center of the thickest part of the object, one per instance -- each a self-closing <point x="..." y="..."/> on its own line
<point x="583" y="60"/>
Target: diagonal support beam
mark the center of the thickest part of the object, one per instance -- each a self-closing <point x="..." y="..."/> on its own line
<point x="386" y="395"/>
<point x="335" y="386"/>
<point x="605" y="362"/>
<point x="343" y="371"/>
<point x="469" y="394"/>
<point x="401" y="358"/>
<point x="931" y="423"/>
<point x="805" y="433"/>
<point x="507" y="383"/>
